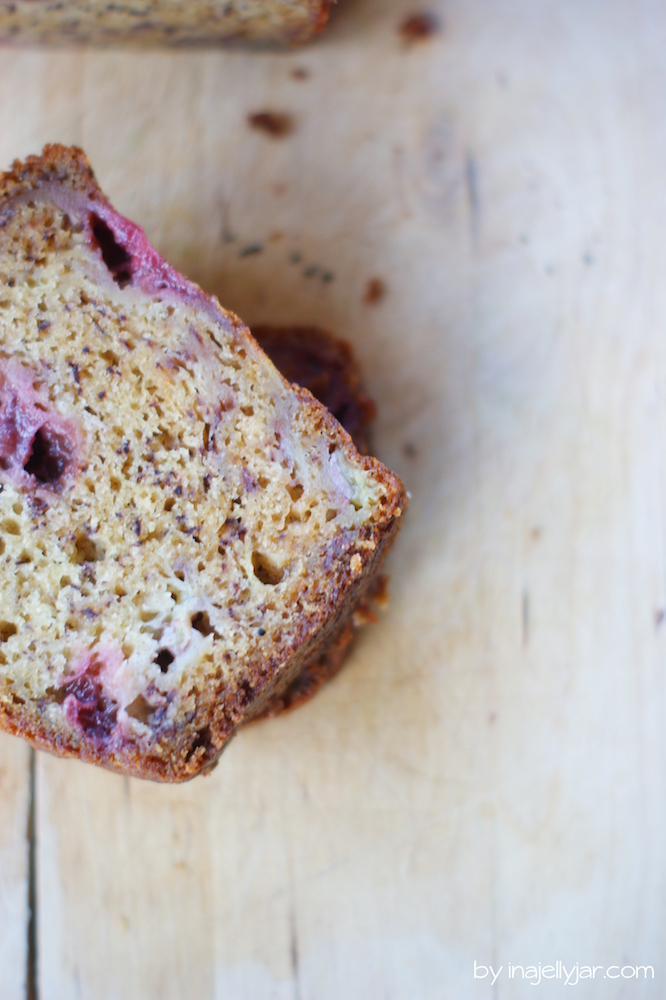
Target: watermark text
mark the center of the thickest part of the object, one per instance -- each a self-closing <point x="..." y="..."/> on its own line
<point x="569" y="976"/>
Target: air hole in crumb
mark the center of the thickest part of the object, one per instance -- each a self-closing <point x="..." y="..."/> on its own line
<point x="10" y="526"/>
<point x="164" y="659"/>
<point x="18" y="507"/>
<point x="265" y="570"/>
<point x="6" y="630"/>
<point x="115" y="484"/>
<point x="169" y="441"/>
<point x="58" y="695"/>
<point x="245" y="692"/>
<point x="180" y="576"/>
<point x="50" y="455"/>
<point x="169" y="503"/>
<point x="295" y="492"/>
<point x="202" y="742"/>
<point x="201" y="622"/>
<point x="248" y="411"/>
<point x="139" y="709"/>
<point x="2" y="547"/>
<point x="116" y="258"/>
<point x="88" y="550"/>
<point x="65" y="581"/>
<point x="331" y="514"/>
<point x="25" y="557"/>
<point x="127" y="649"/>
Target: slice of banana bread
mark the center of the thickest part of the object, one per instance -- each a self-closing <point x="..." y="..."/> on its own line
<point x="151" y="22"/>
<point x="181" y="530"/>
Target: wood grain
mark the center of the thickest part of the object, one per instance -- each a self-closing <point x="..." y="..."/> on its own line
<point x="485" y="781"/>
<point x="14" y="867"/>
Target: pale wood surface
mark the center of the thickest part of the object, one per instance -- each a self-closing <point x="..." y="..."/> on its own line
<point x="14" y="812"/>
<point x="486" y="780"/>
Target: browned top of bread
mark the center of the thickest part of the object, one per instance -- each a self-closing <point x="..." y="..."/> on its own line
<point x="181" y="530"/>
<point x="67" y="165"/>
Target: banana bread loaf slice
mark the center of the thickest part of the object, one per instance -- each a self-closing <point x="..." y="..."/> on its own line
<point x="181" y="530"/>
<point x="154" y="22"/>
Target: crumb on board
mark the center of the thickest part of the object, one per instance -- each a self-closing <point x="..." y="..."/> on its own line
<point x="251" y="250"/>
<point x="418" y="27"/>
<point x="375" y="290"/>
<point x="300" y="73"/>
<point x="273" y="123"/>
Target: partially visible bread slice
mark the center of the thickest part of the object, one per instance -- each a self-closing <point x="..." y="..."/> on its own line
<point x="326" y="366"/>
<point x="181" y="530"/>
<point x="151" y="22"/>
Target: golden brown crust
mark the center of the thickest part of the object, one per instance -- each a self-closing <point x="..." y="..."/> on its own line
<point x="66" y="165"/>
<point x="323" y="623"/>
<point x="312" y="677"/>
<point x="330" y="660"/>
<point x="324" y="364"/>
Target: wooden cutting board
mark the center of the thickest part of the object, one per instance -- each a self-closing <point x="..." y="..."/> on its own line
<point x="485" y="781"/>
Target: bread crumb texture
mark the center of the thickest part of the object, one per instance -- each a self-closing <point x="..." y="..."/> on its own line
<point x="180" y="528"/>
<point x="150" y="22"/>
